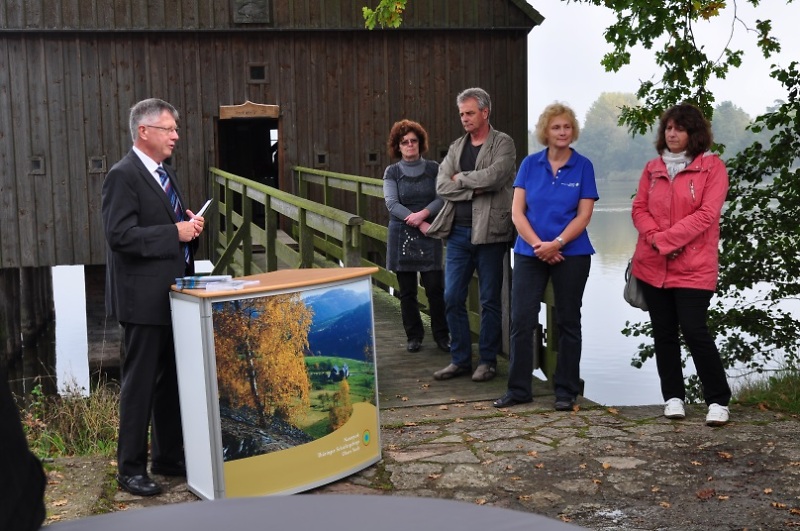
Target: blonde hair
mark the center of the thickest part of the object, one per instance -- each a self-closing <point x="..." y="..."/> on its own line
<point x="550" y="112"/>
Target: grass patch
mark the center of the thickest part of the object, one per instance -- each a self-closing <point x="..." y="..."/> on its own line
<point x="779" y="392"/>
<point x="72" y="424"/>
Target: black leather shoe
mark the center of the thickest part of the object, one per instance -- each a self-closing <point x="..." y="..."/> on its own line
<point x="443" y="344"/>
<point x="564" y="404"/>
<point x="169" y="469"/>
<point x="507" y="401"/>
<point x="413" y="345"/>
<point x="140" y="485"/>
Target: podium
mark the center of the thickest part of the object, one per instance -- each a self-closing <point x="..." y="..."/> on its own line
<point x="277" y="381"/>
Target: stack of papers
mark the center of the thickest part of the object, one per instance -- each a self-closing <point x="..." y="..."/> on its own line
<point x="200" y="281"/>
<point x="225" y="285"/>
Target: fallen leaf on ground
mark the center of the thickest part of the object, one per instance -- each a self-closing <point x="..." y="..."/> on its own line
<point x="706" y="494"/>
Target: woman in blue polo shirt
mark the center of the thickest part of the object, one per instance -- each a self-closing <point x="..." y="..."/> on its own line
<point x="554" y="195"/>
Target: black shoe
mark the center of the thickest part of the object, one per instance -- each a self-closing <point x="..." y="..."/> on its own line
<point x="443" y="344"/>
<point x="564" y="404"/>
<point x="169" y="469"/>
<point x="140" y="485"/>
<point x="507" y="401"/>
<point x="413" y="345"/>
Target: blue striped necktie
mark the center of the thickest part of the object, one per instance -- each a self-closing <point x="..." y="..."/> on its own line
<point x="166" y="184"/>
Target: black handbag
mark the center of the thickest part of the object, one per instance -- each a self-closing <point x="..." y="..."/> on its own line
<point x="633" y="290"/>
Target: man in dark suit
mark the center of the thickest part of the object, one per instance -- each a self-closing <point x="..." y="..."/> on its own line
<point x="151" y="240"/>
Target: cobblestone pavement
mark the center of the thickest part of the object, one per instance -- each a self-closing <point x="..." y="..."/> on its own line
<point x="597" y="467"/>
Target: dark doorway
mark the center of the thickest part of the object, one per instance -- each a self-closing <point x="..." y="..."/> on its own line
<point x="248" y="147"/>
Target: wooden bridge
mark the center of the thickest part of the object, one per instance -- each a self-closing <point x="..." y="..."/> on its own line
<point x="254" y="228"/>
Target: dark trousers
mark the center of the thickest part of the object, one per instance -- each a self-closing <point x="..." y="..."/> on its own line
<point x="529" y="280"/>
<point x="22" y="479"/>
<point x="685" y="310"/>
<point x="433" y="282"/>
<point x="149" y="392"/>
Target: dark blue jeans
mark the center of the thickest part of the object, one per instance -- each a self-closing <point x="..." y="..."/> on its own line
<point x="463" y="259"/>
<point x="685" y="310"/>
<point x="529" y="281"/>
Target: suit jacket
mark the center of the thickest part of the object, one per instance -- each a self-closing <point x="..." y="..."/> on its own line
<point x="144" y="255"/>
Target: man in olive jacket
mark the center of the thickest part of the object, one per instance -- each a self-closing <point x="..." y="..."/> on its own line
<point x="475" y="180"/>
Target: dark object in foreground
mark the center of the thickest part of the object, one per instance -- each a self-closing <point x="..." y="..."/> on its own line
<point x="22" y="479"/>
<point x="396" y="513"/>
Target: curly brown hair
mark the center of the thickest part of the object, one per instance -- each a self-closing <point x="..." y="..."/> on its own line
<point x="689" y="118"/>
<point x="401" y="129"/>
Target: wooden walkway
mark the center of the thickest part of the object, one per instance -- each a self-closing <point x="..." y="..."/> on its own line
<point x="405" y="379"/>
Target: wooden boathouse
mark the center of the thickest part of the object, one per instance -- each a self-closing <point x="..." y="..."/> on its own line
<point x="262" y="86"/>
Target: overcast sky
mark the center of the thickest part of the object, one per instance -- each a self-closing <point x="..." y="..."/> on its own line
<point x="564" y="56"/>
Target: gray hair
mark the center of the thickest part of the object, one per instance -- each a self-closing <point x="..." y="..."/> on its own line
<point x="480" y="95"/>
<point x="149" y="109"/>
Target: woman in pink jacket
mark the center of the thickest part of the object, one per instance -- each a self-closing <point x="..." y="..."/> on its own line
<point x="676" y="211"/>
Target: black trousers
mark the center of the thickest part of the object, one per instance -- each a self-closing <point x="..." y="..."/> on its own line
<point x="433" y="282"/>
<point x="685" y="310"/>
<point x="149" y="392"/>
<point x="22" y="479"/>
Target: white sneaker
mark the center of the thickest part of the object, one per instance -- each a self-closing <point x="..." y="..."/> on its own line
<point x="717" y="415"/>
<point x="673" y="409"/>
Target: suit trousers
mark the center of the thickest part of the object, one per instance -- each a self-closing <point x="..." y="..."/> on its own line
<point x="149" y="393"/>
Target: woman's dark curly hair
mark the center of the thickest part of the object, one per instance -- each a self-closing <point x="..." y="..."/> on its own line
<point x="689" y="118"/>
<point x="401" y="129"/>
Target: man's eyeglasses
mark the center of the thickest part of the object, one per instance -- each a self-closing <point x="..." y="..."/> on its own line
<point x="167" y="130"/>
<point x="409" y="141"/>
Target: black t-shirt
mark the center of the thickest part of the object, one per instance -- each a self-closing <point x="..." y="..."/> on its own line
<point x="463" y="209"/>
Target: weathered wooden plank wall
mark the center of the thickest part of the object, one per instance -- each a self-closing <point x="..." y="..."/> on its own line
<point x="71" y="69"/>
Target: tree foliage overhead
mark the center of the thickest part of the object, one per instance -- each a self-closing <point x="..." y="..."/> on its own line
<point x="260" y="348"/>
<point x="670" y="27"/>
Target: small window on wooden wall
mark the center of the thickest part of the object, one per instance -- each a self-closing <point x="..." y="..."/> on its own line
<point x="321" y="159"/>
<point x="36" y="166"/>
<point x="257" y="73"/>
<point x="97" y="164"/>
<point x="372" y="158"/>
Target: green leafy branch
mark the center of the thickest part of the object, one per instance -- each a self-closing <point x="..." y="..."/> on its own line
<point x="388" y="13"/>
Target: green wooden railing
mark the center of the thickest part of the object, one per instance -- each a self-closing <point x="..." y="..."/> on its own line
<point x="253" y="218"/>
<point x="255" y="227"/>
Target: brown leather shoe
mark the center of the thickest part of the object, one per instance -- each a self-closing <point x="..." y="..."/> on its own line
<point x="451" y="371"/>
<point x="484" y="373"/>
